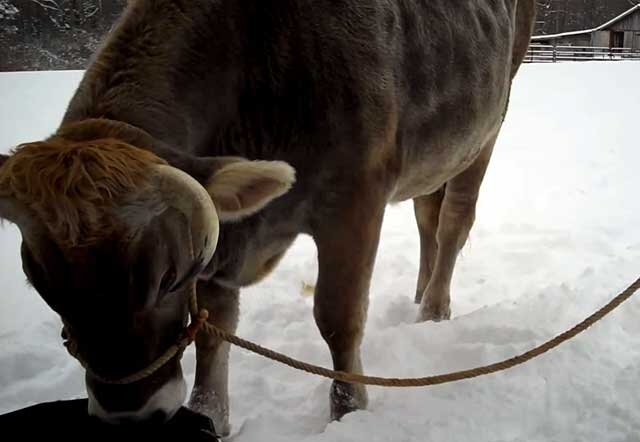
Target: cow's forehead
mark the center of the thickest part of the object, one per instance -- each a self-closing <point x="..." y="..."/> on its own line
<point x="74" y="188"/>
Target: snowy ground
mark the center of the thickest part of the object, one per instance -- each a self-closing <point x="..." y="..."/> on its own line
<point x="556" y="237"/>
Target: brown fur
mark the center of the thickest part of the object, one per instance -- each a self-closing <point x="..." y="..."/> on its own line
<point x="74" y="187"/>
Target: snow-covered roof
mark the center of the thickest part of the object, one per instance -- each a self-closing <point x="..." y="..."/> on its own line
<point x="588" y="31"/>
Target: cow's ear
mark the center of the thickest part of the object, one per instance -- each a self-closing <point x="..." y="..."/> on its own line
<point x="241" y="188"/>
<point x="3" y="159"/>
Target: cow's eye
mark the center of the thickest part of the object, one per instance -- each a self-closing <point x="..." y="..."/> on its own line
<point x="168" y="281"/>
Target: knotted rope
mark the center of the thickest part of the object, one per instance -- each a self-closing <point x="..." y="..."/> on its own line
<point x="352" y="378"/>
<point x="198" y="321"/>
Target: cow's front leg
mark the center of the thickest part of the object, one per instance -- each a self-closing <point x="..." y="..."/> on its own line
<point x="347" y="244"/>
<point x="210" y="395"/>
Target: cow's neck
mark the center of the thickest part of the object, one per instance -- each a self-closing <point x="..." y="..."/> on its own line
<point x="94" y="99"/>
<point x="135" y="77"/>
<point x="193" y="74"/>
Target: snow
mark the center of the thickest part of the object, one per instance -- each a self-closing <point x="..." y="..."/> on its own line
<point x="555" y="238"/>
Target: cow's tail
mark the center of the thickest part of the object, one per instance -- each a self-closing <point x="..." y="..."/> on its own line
<point x="525" y="21"/>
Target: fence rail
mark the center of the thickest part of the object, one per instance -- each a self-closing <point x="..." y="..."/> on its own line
<point x="539" y="53"/>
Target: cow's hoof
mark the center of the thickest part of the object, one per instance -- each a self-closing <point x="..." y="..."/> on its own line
<point x="224" y="430"/>
<point x="434" y="314"/>
<point x="208" y="405"/>
<point x="346" y="398"/>
<point x="222" y="427"/>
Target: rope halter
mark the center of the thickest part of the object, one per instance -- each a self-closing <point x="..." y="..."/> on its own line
<point x="186" y="338"/>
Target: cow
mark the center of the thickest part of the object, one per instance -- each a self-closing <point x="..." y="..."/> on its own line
<point x="206" y="135"/>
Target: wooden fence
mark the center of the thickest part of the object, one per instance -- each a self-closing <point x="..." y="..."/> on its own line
<point x="539" y="53"/>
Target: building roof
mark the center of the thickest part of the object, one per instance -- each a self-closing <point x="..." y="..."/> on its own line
<point x="589" y="31"/>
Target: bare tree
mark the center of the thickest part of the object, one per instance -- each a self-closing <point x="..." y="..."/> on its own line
<point x="63" y="34"/>
<point x="556" y="16"/>
<point x="53" y="34"/>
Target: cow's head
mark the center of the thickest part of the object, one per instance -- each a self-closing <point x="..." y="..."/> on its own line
<point x="113" y="239"/>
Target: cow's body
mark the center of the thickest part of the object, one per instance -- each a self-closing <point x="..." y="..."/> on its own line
<point x="371" y="101"/>
<point x="414" y="89"/>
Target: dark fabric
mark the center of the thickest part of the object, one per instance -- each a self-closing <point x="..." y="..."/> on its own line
<point x="69" y="421"/>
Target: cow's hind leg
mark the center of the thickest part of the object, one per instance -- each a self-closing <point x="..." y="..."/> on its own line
<point x="347" y="242"/>
<point x="210" y="395"/>
<point x="456" y="218"/>
<point x="427" y="211"/>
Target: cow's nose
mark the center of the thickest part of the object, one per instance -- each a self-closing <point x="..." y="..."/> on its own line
<point x="159" y="408"/>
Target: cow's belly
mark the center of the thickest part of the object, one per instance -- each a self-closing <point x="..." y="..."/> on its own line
<point x="430" y="162"/>
<point x="454" y="92"/>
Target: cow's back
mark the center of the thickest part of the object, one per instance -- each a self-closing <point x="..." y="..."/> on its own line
<point x="413" y="87"/>
<point x="407" y="85"/>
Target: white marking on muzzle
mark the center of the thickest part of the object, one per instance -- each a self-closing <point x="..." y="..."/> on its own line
<point x="168" y="399"/>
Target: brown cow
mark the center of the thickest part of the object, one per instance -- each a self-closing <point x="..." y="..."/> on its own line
<point x="189" y="103"/>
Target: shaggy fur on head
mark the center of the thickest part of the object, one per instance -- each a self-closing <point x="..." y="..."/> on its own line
<point x="74" y="188"/>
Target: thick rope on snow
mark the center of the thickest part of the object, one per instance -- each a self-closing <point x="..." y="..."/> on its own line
<point x="199" y="324"/>
<point x="352" y="378"/>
